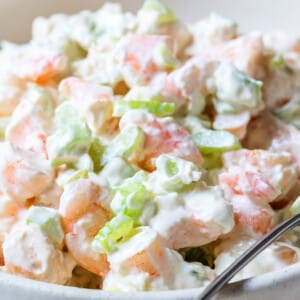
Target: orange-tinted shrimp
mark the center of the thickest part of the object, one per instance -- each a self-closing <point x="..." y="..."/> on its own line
<point x="137" y="56"/>
<point x="94" y="101"/>
<point x="40" y="67"/>
<point x="245" y="53"/>
<point x="82" y="218"/>
<point x="165" y="136"/>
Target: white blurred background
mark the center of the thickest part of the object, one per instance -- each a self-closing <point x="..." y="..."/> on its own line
<point x="267" y="15"/>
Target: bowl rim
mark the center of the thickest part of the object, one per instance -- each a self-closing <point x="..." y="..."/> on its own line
<point x="251" y="286"/>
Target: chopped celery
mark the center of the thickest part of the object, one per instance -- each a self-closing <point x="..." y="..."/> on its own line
<point x="165" y="14"/>
<point x="66" y="115"/>
<point x="278" y="61"/>
<point x="290" y="112"/>
<point x="195" y="124"/>
<point x="125" y="144"/>
<point x="132" y="197"/>
<point x="79" y="174"/>
<point x="164" y="58"/>
<point x="218" y="141"/>
<point x="96" y="151"/>
<point x="68" y="144"/>
<point x="172" y="174"/>
<point x="212" y="161"/>
<point x="49" y="221"/>
<point x="161" y="109"/>
<point x="295" y="207"/>
<point x="113" y="232"/>
<point x="237" y="88"/>
<point x="3" y="124"/>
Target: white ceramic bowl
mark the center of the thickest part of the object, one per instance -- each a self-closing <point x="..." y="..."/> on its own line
<point x="265" y="15"/>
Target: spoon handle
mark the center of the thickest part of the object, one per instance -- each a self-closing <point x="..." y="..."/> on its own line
<point x="247" y="256"/>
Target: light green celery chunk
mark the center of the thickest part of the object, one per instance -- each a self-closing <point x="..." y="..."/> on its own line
<point x="79" y="174"/>
<point x="96" y="151"/>
<point x="218" y="141"/>
<point x="66" y="115"/>
<point x="41" y="97"/>
<point x="67" y="145"/>
<point x="278" y="61"/>
<point x="212" y="161"/>
<point x="160" y="109"/>
<point x="225" y="108"/>
<point x="164" y="58"/>
<point x="133" y="199"/>
<point x="173" y="173"/>
<point x="3" y="124"/>
<point x="195" y="124"/>
<point x="74" y="51"/>
<point x="237" y="88"/>
<point x="165" y="14"/>
<point x="295" y="207"/>
<point x="125" y="144"/>
<point x="49" y="221"/>
<point x="290" y="112"/>
<point x="113" y="232"/>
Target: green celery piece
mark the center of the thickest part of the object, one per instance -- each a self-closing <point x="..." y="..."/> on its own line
<point x="113" y="232"/>
<point x="49" y="221"/>
<point x="290" y="112"/>
<point x="3" y="124"/>
<point x="203" y="255"/>
<point x="96" y="151"/>
<point x="166" y="15"/>
<point x="211" y="141"/>
<point x="68" y="144"/>
<point x="160" y="109"/>
<point x="132" y="197"/>
<point x="278" y="61"/>
<point x="66" y="115"/>
<point x="126" y="143"/>
<point x="165" y="58"/>
<point x="79" y="174"/>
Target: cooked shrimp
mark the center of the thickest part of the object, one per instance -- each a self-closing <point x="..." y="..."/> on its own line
<point x="261" y="175"/>
<point x="136" y="53"/>
<point x="94" y="101"/>
<point x="245" y="52"/>
<point x="236" y="123"/>
<point x="24" y="175"/>
<point x="28" y="128"/>
<point x="40" y="67"/>
<point x="145" y="251"/>
<point x="11" y="89"/>
<point x="162" y="136"/>
<point x="83" y="216"/>
<point x="10" y="213"/>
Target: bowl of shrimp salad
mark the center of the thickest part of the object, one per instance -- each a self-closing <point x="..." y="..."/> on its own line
<point x="142" y="152"/>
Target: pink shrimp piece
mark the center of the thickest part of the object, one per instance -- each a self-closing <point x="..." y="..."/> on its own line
<point x="10" y="212"/>
<point x="267" y="132"/>
<point x="236" y="124"/>
<point x="138" y="56"/>
<point x="180" y="85"/>
<point x="83" y="217"/>
<point x="250" y="218"/>
<point x="24" y="175"/>
<point x="147" y="253"/>
<point x="40" y="67"/>
<point x="165" y="136"/>
<point x="94" y="101"/>
<point x="245" y="53"/>
<point x="253" y="174"/>
<point x="30" y="130"/>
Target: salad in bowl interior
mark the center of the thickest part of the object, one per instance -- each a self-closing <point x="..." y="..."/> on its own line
<point x="140" y="153"/>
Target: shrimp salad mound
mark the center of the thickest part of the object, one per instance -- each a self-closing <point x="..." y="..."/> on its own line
<point x="139" y="153"/>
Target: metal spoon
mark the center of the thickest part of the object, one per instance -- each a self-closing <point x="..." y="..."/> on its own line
<point x="247" y="256"/>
